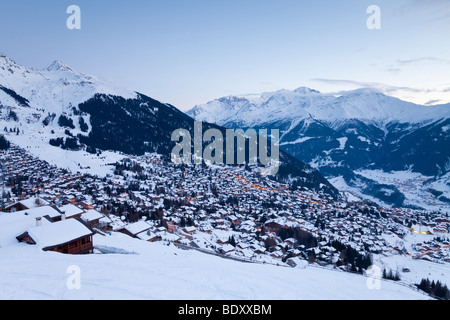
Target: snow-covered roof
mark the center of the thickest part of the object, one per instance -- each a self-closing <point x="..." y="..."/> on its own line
<point x="33" y="202"/>
<point x="190" y="229"/>
<point x="168" y="236"/>
<point x="14" y="224"/>
<point x="227" y="248"/>
<point x="91" y="215"/>
<point x="58" y="233"/>
<point x="71" y="210"/>
<point x="147" y="235"/>
<point x="296" y="262"/>
<point x="137" y="227"/>
<point x="42" y="211"/>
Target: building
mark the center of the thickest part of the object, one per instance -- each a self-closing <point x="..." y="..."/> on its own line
<point x="70" y="236"/>
<point x="134" y="229"/>
<point x="26" y="204"/>
<point x="92" y="218"/>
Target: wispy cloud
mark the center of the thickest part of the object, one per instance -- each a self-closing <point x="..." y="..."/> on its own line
<point x="420" y="95"/>
<point x="385" y="88"/>
<point x="429" y="10"/>
<point x="423" y="60"/>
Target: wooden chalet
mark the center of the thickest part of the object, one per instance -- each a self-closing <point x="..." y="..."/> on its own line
<point x="70" y="236"/>
<point x="134" y="229"/>
<point x="92" y="218"/>
<point x="26" y="204"/>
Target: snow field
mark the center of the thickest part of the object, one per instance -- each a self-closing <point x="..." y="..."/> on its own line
<point x="159" y="272"/>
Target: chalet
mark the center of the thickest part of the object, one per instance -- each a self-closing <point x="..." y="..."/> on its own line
<point x="291" y="242"/>
<point x="172" y="228"/>
<point x="134" y="229"/>
<point x="296" y="262"/>
<point x="51" y="212"/>
<point x="222" y="241"/>
<point x="87" y="205"/>
<point x="206" y="229"/>
<point x="189" y="230"/>
<point x="225" y="249"/>
<point x="276" y="254"/>
<point x="105" y="224"/>
<point x="440" y="229"/>
<point x="71" y="211"/>
<point x="242" y="245"/>
<point x="166" y="236"/>
<point x="149" y="236"/>
<point x="92" y="218"/>
<point x="26" y="204"/>
<point x="67" y="236"/>
<point x="295" y="252"/>
<point x="258" y="249"/>
<point x="442" y="220"/>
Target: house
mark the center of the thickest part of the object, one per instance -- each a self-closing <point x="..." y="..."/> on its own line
<point x="71" y="211"/>
<point x="71" y="236"/>
<point x="92" y="218"/>
<point x="87" y="205"/>
<point x="149" y="236"/>
<point x="172" y="228"/>
<point x="291" y="242"/>
<point x="26" y="204"/>
<point x="134" y="229"/>
<point x="189" y="230"/>
<point x="166" y="236"/>
<point x="105" y="224"/>
<point x="257" y="249"/>
<point x="225" y="249"/>
<point x="222" y="241"/>
<point x="296" y="262"/>
<point x="276" y="254"/>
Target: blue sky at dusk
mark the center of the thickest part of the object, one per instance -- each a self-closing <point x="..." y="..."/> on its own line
<point x="189" y="52"/>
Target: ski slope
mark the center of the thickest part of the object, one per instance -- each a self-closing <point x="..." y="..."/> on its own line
<point x="134" y="269"/>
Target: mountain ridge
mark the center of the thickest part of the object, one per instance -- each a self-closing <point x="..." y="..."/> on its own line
<point x="305" y="102"/>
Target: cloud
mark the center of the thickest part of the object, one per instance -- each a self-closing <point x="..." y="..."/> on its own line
<point x="393" y="70"/>
<point x="385" y="88"/>
<point x="431" y="102"/>
<point x="422" y="59"/>
<point x="419" y="95"/>
<point x="429" y="10"/>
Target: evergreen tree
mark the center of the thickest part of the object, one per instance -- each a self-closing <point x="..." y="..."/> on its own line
<point x="4" y="144"/>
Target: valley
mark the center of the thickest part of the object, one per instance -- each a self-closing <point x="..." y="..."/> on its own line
<point x="348" y="134"/>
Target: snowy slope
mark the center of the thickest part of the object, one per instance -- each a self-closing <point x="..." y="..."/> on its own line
<point x="55" y="90"/>
<point x="156" y="271"/>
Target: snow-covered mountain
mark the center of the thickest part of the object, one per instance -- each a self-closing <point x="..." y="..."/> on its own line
<point x="56" y="88"/>
<point x="340" y="134"/>
<point x="59" y="107"/>
<point x="304" y="103"/>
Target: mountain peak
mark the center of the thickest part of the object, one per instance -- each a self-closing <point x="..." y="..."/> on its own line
<point x="59" y="66"/>
<point x="5" y="58"/>
<point x="305" y="90"/>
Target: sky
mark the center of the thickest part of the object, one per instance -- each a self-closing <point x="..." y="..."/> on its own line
<point x="190" y="52"/>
